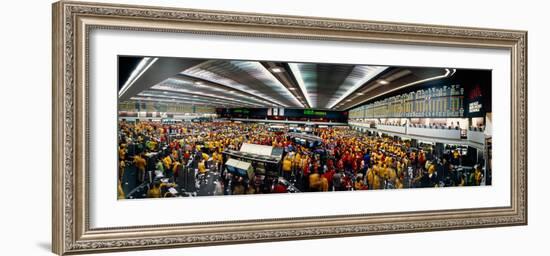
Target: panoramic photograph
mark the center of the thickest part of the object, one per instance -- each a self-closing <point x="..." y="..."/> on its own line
<point x="191" y="127"/>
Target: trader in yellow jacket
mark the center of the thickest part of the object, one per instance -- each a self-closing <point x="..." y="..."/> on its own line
<point x="120" y="191"/>
<point x="287" y="167"/>
<point x="140" y="164"/>
<point x="315" y="182"/>
<point x="205" y="156"/>
<point x="373" y="177"/>
<point x="324" y="184"/>
<point x="175" y="167"/>
<point x="296" y="162"/>
<point x="202" y="166"/>
<point x="154" y="192"/>
<point x="167" y="161"/>
<point x="217" y="157"/>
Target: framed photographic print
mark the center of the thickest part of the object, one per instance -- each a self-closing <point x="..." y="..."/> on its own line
<point x="178" y="127"/>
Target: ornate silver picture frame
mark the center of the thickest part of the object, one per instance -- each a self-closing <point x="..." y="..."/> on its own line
<point x="72" y="23"/>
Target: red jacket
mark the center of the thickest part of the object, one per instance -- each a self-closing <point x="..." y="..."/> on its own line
<point x="328" y="175"/>
<point x="279" y="189"/>
<point x="305" y="169"/>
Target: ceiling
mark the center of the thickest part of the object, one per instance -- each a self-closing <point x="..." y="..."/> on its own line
<point x="237" y="83"/>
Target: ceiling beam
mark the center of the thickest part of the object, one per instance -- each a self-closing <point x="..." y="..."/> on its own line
<point x="156" y="73"/>
<point x="228" y="89"/>
<point x="281" y="72"/>
<point x="191" y="94"/>
<point x="200" y="66"/>
<point x="359" y="76"/>
<point x="297" y="74"/>
<point x="148" y="99"/>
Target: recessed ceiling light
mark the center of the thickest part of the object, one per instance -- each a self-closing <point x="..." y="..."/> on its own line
<point x="194" y="96"/>
<point x="276" y="70"/>
<point x="292" y="88"/>
<point x="199" y="83"/>
<point x="360" y="93"/>
<point x="382" y="81"/>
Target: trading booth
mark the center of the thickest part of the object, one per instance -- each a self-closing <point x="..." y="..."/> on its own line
<point x="262" y="164"/>
<point x="240" y="168"/>
<point x="255" y="162"/>
<point x="307" y="140"/>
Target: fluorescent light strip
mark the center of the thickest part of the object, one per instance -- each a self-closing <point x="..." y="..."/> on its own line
<point x="295" y="69"/>
<point x="447" y="74"/>
<point x="258" y="71"/>
<point x="216" y="99"/>
<point x="143" y="66"/>
<point x="215" y="78"/>
<point x="166" y="86"/>
<point x="183" y="97"/>
<point x="191" y="101"/>
<point x="367" y="72"/>
<point x="171" y="99"/>
<point x="179" y="99"/>
<point x="162" y="86"/>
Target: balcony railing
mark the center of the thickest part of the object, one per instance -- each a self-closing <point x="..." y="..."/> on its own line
<point x="476" y="135"/>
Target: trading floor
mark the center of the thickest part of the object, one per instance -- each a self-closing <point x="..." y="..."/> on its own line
<point x="190" y="159"/>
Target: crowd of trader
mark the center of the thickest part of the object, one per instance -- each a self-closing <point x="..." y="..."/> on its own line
<point x="162" y="154"/>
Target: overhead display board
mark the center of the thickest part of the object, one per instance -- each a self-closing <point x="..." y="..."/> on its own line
<point x="444" y="101"/>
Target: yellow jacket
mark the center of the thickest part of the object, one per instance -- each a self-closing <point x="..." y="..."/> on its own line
<point x="370" y="177"/>
<point x="154" y="192"/>
<point x="477" y="177"/>
<point x="431" y="169"/>
<point x="152" y="145"/>
<point x="287" y="165"/>
<point x="398" y="184"/>
<point x="324" y="184"/>
<point x="175" y="167"/>
<point x="377" y="182"/>
<point x="120" y="192"/>
<point x="140" y="163"/>
<point x="315" y="181"/>
<point x="297" y="159"/>
<point x="202" y="167"/>
<point x="216" y="157"/>
<point x="304" y="161"/>
<point x="121" y="153"/>
<point x="391" y="173"/>
<point x="167" y="161"/>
